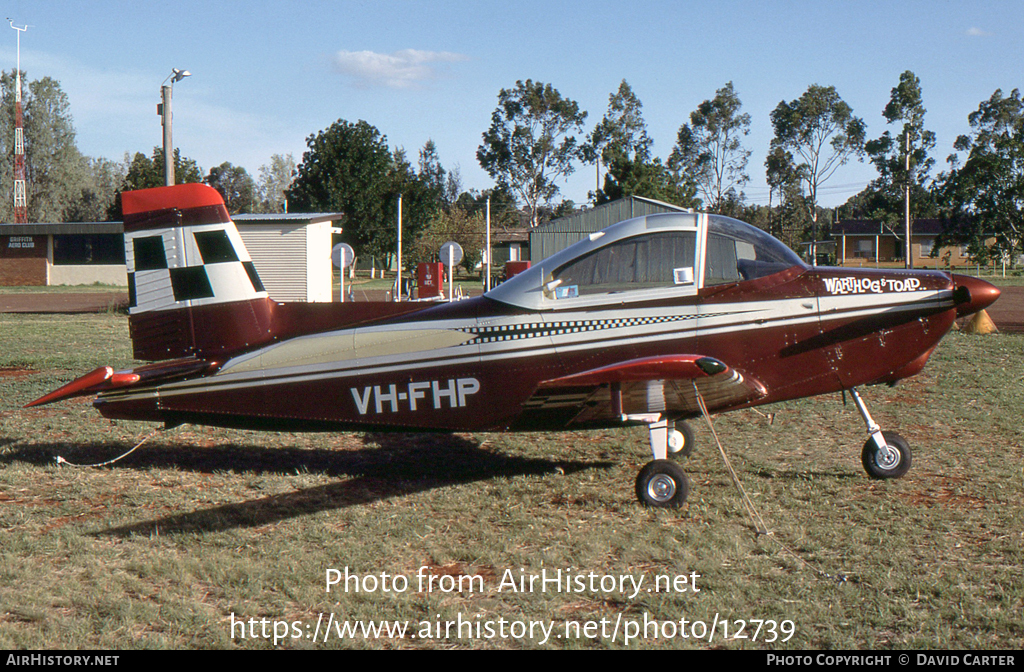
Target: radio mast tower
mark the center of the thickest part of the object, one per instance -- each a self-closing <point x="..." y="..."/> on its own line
<point x="20" y="196"/>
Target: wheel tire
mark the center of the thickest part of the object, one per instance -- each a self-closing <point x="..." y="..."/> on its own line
<point x="689" y="441"/>
<point x="662" y="484"/>
<point x="899" y="466"/>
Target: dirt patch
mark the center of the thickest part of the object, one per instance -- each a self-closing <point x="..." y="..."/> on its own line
<point x="60" y="302"/>
<point x="16" y="372"/>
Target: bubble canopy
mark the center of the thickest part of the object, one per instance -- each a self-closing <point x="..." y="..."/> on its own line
<point x="646" y="258"/>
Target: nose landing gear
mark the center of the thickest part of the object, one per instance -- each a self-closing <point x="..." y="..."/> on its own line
<point x="886" y="454"/>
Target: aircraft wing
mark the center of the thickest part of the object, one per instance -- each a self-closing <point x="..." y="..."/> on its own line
<point x="662" y="384"/>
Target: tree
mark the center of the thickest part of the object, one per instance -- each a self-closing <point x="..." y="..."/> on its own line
<point x="822" y="133"/>
<point x="55" y="171"/>
<point x="148" y="172"/>
<point x="622" y="133"/>
<point x="275" y="178"/>
<point x="143" y="172"/>
<point x="457" y="223"/>
<point x="349" y="168"/>
<point x="709" y="151"/>
<point x="985" y="195"/>
<point x="345" y="169"/>
<point x="529" y="146"/>
<point x="235" y="185"/>
<point x="783" y="176"/>
<point x="420" y="204"/>
<point x="432" y="174"/>
<point x="504" y="214"/>
<point x="621" y="141"/>
<point x="96" y="198"/>
<point x="883" y="199"/>
<point x="650" y="179"/>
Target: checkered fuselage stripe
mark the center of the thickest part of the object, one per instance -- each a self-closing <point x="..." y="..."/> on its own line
<point x="545" y="329"/>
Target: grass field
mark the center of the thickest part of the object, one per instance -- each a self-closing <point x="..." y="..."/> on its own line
<point x="208" y="538"/>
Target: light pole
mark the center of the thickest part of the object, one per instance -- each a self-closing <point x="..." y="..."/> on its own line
<point x="164" y="110"/>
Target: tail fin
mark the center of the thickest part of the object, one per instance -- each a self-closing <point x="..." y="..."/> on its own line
<point x="193" y="290"/>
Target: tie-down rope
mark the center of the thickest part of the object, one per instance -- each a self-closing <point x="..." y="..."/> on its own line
<point x="759" y="525"/>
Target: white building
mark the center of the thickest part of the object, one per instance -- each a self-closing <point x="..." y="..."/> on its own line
<point x="291" y="252"/>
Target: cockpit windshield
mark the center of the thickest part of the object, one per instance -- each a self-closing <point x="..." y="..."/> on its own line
<point x="738" y="251"/>
<point x="654" y="257"/>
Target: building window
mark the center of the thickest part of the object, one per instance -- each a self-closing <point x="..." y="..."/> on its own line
<point x="927" y="245"/>
<point x="865" y="248"/>
<point x="88" y="249"/>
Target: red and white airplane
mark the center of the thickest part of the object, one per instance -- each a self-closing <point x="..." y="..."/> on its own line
<point x="641" y="323"/>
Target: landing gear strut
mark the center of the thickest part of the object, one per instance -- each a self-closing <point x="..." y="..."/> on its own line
<point x="886" y="454"/>
<point x="662" y="483"/>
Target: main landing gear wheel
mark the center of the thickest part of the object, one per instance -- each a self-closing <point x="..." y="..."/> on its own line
<point x="681" y="440"/>
<point x="882" y="464"/>
<point x="662" y="484"/>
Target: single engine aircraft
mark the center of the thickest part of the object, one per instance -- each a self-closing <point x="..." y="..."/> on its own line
<point x="645" y="322"/>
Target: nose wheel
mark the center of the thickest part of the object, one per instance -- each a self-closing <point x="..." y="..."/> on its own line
<point x="892" y="462"/>
<point x="886" y="454"/>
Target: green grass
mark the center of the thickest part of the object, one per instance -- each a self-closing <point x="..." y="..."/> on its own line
<point x="200" y="525"/>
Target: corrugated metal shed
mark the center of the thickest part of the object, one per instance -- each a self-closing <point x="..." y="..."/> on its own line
<point x="560" y="233"/>
<point x="291" y="252"/>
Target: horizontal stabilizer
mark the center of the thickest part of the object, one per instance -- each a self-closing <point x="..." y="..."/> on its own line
<point x="87" y="384"/>
<point x="105" y="378"/>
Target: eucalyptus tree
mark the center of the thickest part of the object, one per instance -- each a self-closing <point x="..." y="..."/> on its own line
<point x="822" y="133"/>
<point x="96" y="198"/>
<point x="531" y="144"/>
<point x="903" y="159"/>
<point x="985" y="192"/>
<point x="275" y="179"/>
<point x="709" y="149"/>
<point x="621" y="135"/>
<point x="783" y="177"/>
<point x="55" y="171"/>
<point x="621" y="142"/>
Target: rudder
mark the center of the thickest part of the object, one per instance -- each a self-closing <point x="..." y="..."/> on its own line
<point x="193" y="289"/>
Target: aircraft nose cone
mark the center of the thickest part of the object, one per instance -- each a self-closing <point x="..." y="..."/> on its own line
<point x="972" y="294"/>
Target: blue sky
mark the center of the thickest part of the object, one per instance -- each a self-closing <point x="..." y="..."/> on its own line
<point x="268" y="74"/>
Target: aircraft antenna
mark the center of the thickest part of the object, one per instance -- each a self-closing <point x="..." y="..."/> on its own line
<point x="20" y="194"/>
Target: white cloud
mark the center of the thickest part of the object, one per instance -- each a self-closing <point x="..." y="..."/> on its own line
<point x="974" y="31"/>
<point x="399" y="70"/>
